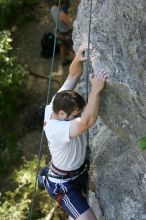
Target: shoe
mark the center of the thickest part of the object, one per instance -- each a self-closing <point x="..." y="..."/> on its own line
<point x="67" y="62"/>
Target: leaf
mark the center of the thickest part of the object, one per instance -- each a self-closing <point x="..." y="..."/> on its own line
<point x="142" y="143"/>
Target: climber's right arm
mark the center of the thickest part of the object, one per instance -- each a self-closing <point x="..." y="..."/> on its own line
<point x="90" y="114"/>
<point x="75" y="69"/>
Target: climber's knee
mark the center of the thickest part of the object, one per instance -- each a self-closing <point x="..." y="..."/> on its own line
<point x="87" y="215"/>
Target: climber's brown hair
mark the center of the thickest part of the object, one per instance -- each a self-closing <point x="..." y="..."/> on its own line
<point x="68" y="101"/>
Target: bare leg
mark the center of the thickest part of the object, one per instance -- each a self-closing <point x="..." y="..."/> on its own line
<point x="88" y="215"/>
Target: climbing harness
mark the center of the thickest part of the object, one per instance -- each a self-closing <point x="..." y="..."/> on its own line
<point x="62" y="174"/>
<point x="42" y="185"/>
<point x="42" y="134"/>
<point x="54" y="172"/>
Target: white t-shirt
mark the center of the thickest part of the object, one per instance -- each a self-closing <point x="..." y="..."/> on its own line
<point x="67" y="153"/>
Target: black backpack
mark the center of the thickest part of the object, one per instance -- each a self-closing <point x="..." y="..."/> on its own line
<point x="47" y="45"/>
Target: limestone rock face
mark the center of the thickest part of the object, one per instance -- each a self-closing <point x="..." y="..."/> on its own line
<point x="118" y="34"/>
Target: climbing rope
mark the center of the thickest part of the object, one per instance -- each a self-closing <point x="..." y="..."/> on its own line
<point x="87" y="74"/>
<point x="42" y="134"/>
<point x="88" y="54"/>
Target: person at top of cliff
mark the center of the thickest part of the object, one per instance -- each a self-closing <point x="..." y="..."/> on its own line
<point x="65" y="124"/>
<point x="64" y="29"/>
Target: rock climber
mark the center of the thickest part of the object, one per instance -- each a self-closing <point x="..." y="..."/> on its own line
<point x="66" y="121"/>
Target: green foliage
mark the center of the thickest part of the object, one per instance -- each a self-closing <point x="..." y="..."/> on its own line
<point x="142" y="143"/>
<point x="9" y="152"/>
<point x="29" y="4"/>
<point x="12" y="84"/>
<point x="12" y="78"/>
<point x="9" y="9"/>
<point x="16" y="204"/>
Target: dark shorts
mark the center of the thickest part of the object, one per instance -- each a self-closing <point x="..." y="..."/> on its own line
<point x="69" y="194"/>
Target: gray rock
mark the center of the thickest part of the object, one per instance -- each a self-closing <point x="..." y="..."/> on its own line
<point x="118" y="168"/>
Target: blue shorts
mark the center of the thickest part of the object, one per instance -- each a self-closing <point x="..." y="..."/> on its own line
<point x="69" y="194"/>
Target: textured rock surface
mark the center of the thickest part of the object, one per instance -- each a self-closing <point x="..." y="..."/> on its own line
<point x="118" y="33"/>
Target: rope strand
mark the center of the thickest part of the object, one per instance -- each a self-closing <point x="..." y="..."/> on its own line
<point x="42" y="134"/>
<point x="88" y="54"/>
<point x="52" y="63"/>
<point x="87" y="74"/>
